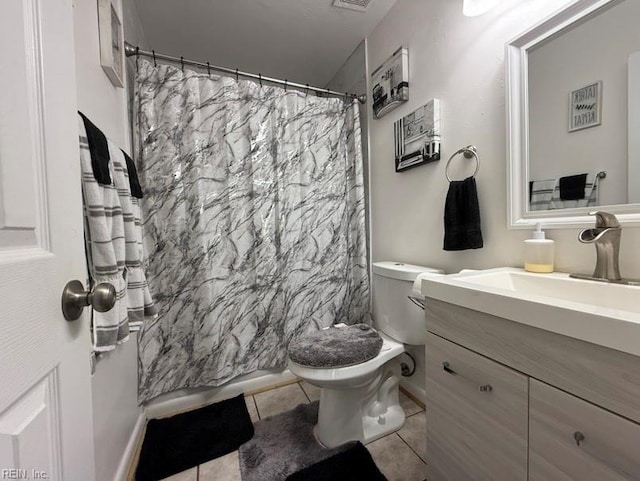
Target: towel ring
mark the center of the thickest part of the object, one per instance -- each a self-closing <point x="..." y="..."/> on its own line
<point x="469" y="151"/>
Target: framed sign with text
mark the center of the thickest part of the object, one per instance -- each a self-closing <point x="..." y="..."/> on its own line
<point x="585" y="105"/>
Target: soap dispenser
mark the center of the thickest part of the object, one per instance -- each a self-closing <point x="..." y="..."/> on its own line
<point x="538" y="252"/>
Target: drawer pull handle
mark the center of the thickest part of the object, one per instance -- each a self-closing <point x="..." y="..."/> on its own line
<point x="447" y="367"/>
<point x="482" y="387"/>
<point x="579" y="437"/>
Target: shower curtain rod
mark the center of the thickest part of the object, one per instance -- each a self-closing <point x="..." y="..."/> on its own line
<point x="131" y="50"/>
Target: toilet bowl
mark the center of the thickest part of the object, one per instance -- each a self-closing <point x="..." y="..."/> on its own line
<point x="360" y="401"/>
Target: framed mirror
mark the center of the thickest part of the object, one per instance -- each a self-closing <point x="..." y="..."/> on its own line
<point x="573" y="116"/>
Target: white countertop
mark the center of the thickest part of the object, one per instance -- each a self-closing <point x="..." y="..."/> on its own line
<point x="601" y="313"/>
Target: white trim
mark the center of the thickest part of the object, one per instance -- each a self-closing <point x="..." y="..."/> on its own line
<point x="369" y="116"/>
<point x="516" y="56"/>
<point x="187" y="399"/>
<point x="130" y="449"/>
<point x="634" y="126"/>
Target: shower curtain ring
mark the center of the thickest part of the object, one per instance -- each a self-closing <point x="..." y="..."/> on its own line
<point x="260" y="77"/>
<point x="285" y="84"/>
<point x="306" y="92"/>
<point x="208" y="70"/>
<point x="182" y="63"/>
<point x="154" y="58"/>
<point x="237" y="76"/>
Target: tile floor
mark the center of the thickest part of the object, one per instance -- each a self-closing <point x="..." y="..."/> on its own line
<point x="400" y="456"/>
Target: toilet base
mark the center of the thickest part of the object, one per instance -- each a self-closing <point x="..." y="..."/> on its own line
<point x="364" y="413"/>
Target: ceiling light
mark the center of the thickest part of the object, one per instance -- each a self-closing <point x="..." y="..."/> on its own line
<point x="473" y="8"/>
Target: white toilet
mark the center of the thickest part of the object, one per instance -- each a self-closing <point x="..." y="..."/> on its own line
<point x="360" y="402"/>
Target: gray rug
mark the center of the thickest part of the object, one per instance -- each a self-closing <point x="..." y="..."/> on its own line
<point x="283" y="444"/>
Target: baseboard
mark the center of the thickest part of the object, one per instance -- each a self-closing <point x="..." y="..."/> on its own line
<point x="126" y="468"/>
<point x="417" y="393"/>
<point x="182" y="401"/>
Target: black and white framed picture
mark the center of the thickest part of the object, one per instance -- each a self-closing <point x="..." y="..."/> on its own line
<point x="390" y="83"/>
<point x="417" y="136"/>
<point x="585" y="105"/>
<point x="111" y="42"/>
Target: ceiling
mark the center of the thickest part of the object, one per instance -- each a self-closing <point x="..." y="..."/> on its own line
<point x="304" y="41"/>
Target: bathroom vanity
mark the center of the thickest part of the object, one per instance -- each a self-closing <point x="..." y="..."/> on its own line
<point x="531" y="377"/>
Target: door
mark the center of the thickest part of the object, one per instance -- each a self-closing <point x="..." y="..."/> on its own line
<point x="45" y="378"/>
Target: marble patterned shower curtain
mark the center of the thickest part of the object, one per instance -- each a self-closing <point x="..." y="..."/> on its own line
<point x="254" y="223"/>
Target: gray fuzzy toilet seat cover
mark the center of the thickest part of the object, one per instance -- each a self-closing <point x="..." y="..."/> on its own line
<point x="336" y="346"/>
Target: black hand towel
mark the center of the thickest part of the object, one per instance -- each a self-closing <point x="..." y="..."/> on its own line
<point x="134" y="183"/>
<point x="99" y="150"/>
<point x="462" y="216"/>
<point x="572" y="187"/>
<point x="530" y="190"/>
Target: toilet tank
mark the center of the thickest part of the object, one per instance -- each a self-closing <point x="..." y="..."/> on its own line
<point x="393" y="313"/>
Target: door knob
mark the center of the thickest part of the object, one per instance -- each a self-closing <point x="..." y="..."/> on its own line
<point x="74" y="298"/>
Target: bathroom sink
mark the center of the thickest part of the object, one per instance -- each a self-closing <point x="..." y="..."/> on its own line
<point x="601" y="313"/>
<point x="559" y="286"/>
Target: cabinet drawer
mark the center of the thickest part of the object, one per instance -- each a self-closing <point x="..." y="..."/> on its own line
<point x="610" y="450"/>
<point x="476" y="416"/>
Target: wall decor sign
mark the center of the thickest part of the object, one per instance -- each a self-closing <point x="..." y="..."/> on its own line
<point x="111" y="42"/>
<point x="390" y="83"/>
<point x="585" y="105"/>
<point x="417" y="136"/>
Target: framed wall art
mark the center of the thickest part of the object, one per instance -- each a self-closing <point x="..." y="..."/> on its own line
<point x="111" y="42"/>
<point x="390" y="83"/>
<point x="585" y="105"/>
<point x="417" y="136"/>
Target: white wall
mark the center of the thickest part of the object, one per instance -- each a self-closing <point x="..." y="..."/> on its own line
<point x="461" y="61"/>
<point x="115" y="381"/>
<point x="352" y="77"/>
<point x="596" y="50"/>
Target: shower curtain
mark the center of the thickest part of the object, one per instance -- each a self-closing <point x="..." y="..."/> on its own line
<point x="254" y="223"/>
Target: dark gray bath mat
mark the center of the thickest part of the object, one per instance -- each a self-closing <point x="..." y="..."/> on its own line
<point x="354" y="464"/>
<point x="336" y="346"/>
<point x="180" y="442"/>
<point x="283" y="444"/>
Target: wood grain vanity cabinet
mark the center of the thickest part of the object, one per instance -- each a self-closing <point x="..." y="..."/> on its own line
<point x="572" y="439"/>
<point x="509" y="402"/>
<point x="477" y="415"/>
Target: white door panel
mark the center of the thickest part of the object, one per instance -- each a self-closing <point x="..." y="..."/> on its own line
<point x="45" y="400"/>
<point x="29" y="434"/>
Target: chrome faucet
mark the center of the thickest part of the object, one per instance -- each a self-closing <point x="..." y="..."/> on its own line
<point x="606" y="237"/>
